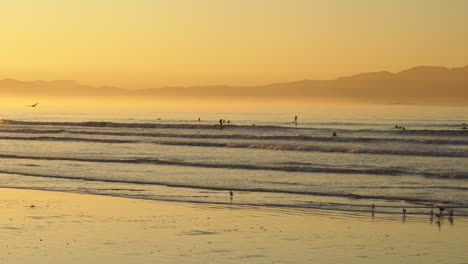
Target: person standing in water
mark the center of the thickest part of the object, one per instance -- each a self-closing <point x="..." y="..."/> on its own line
<point x="221" y="123"/>
<point x="295" y="120"/>
<point x="334" y="135"/>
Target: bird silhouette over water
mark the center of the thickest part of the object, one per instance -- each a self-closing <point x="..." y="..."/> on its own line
<point x="33" y="105"/>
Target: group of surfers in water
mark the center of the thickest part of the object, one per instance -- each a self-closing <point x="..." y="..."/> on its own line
<point x="334" y="135"/>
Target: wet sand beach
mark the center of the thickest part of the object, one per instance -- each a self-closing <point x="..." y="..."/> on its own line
<point x="55" y="227"/>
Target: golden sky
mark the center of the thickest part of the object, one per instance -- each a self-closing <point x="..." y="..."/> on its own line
<point x="154" y="43"/>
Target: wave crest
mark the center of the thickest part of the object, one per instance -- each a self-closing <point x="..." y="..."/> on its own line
<point x="287" y="168"/>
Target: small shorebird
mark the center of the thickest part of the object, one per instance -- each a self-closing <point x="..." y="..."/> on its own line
<point x="432" y="212"/>
<point x="373" y="206"/>
<point x="231" y="193"/>
<point x="404" y="211"/>
<point x="451" y="212"/>
<point x="33" y="105"/>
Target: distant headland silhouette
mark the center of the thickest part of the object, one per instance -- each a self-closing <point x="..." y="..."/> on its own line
<point x="429" y="84"/>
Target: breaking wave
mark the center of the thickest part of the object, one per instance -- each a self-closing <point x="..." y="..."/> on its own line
<point x="95" y="140"/>
<point x="428" y="202"/>
<point x="318" y="148"/>
<point x="295" y="137"/>
<point x="454" y="132"/>
<point x="287" y="168"/>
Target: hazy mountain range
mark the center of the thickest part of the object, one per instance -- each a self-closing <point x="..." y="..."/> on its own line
<point x="423" y="84"/>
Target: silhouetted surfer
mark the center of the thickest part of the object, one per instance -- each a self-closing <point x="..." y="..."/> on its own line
<point x="334" y="135"/>
<point x="221" y="123"/>
<point x="295" y="120"/>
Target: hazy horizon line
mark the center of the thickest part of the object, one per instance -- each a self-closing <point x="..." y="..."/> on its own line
<point x="227" y="85"/>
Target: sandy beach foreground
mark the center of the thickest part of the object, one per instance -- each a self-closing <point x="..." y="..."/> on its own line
<point x="55" y="227"/>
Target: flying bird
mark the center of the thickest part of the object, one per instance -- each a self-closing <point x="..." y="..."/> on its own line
<point x="33" y="105"/>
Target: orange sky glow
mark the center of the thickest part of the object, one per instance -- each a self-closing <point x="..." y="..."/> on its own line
<point x="156" y="43"/>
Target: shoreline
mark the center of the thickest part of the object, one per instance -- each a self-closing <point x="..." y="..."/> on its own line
<point x="370" y="213"/>
<point x="60" y="227"/>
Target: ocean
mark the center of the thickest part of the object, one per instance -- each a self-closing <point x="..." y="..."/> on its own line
<point x="260" y="155"/>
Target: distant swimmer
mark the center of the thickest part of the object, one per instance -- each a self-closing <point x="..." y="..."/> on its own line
<point x="199" y="119"/>
<point x="403" y="128"/>
<point x="463" y="127"/>
<point x="334" y="134"/>
<point x="229" y="121"/>
<point x="33" y="105"/>
<point x="221" y="123"/>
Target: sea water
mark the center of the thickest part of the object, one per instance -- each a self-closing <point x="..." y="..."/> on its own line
<point x="263" y="156"/>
